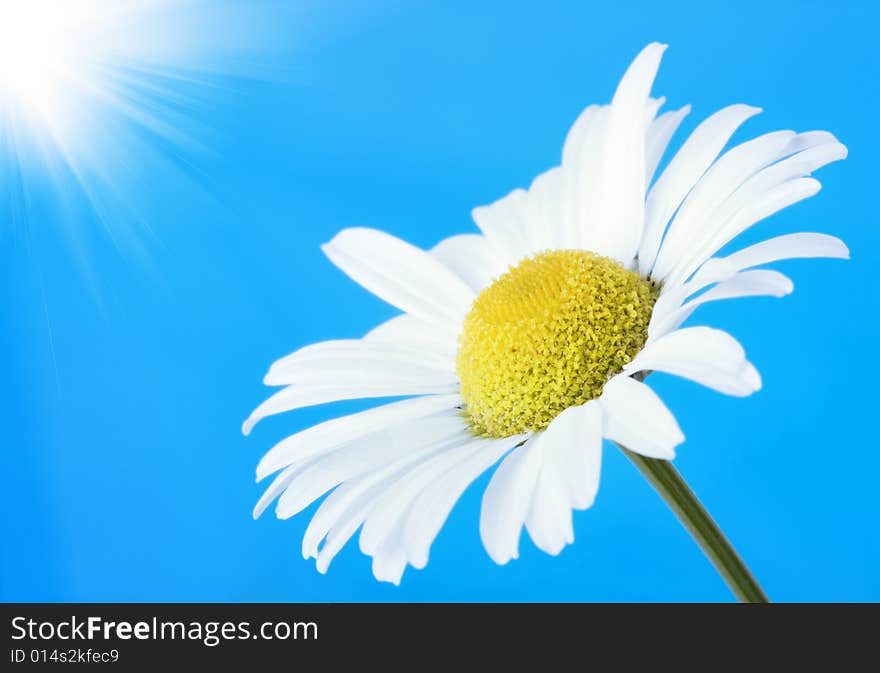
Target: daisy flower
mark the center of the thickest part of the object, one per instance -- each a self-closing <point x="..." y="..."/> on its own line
<point x="526" y="345"/>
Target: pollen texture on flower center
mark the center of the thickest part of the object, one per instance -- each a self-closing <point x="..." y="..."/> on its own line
<point x="547" y="335"/>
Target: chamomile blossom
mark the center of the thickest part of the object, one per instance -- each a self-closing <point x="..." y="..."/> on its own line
<point x="525" y="346"/>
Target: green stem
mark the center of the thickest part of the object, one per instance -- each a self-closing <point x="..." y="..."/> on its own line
<point x="682" y="501"/>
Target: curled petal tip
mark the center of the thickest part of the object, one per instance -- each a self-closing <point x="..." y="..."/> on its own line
<point x="500" y="559"/>
<point x="753" y="377"/>
<point x="788" y="289"/>
<point x="842" y="250"/>
<point x="656" y="44"/>
<point x="267" y="465"/>
<point x="309" y="552"/>
<point x="752" y="109"/>
<point x="419" y="561"/>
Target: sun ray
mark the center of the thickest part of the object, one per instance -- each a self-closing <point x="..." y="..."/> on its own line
<point x="95" y="95"/>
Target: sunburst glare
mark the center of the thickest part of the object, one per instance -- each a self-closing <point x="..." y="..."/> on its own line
<point x="92" y="93"/>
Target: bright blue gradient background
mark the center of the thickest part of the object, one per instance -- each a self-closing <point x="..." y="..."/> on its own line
<point x="127" y="372"/>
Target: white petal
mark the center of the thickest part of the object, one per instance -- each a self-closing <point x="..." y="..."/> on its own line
<point x="471" y="257"/>
<point x="275" y="488"/>
<point x="401" y="274"/>
<point x="544" y="208"/>
<point x="652" y="108"/>
<point x="580" y="180"/>
<point x="382" y="535"/>
<point x="659" y="134"/>
<point x="571" y="450"/>
<point x="757" y="188"/>
<point x="344" y="510"/>
<point x="574" y="140"/>
<point x="724" y="177"/>
<point x="789" y="246"/>
<point x="338" y="431"/>
<point x="361" y="496"/>
<point x="620" y="216"/>
<point x="549" y="518"/>
<point x="809" y="139"/>
<point x="684" y="170"/>
<point x="335" y="361"/>
<point x="353" y="501"/>
<point x="431" y="508"/>
<point x="809" y="152"/>
<point x="506" y="502"/>
<point x="637" y="418"/>
<point x="297" y="397"/>
<point x="771" y="202"/>
<point x="672" y="297"/>
<point x="504" y="225"/>
<point x="392" y="506"/>
<point x="336" y="505"/>
<point x="575" y="438"/>
<point x="756" y="283"/>
<point x="389" y="561"/>
<point x="408" y="331"/>
<point x="708" y="356"/>
<point x="364" y="455"/>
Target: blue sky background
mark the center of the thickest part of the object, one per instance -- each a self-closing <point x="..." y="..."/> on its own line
<point x="128" y="361"/>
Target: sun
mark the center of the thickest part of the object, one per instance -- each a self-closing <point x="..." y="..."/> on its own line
<point x="45" y="50"/>
<point x="96" y="95"/>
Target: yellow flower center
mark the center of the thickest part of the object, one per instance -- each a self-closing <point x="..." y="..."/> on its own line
<point x="547" y="335"/>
